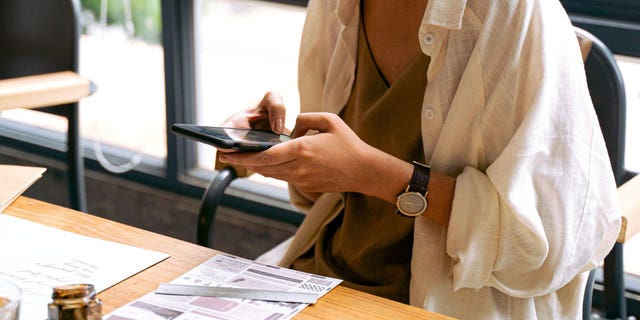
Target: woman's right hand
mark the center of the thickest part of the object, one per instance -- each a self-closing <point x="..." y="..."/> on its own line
<point x="269" y="115"/>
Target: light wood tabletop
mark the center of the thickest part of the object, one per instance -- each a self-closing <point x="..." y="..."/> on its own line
<point x="340" y="303"/>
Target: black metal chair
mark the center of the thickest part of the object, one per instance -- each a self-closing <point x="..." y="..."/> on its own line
<point x="39" y="37"/>
<point x="213" y="197"/>
<point x="210" y="202"/>
<point x="606" y="88"/>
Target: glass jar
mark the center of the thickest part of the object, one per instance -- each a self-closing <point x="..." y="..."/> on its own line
<point x="75" y="302"/>
<point x="10" y="295"/>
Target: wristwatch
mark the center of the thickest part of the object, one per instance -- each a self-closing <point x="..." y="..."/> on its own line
<point x="413" y="201"/>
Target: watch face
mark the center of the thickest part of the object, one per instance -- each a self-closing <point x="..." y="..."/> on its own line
<point x="411" y="203"/>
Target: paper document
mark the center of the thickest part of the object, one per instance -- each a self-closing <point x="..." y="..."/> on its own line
<point x="14" y="180"/>
<point x="38" y="258"/>
<point x="228" y="271"/>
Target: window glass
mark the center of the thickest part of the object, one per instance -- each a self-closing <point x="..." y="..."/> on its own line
<point x="244" y="49"/>
<point x="121" y="52"/>
<point x="630" y="69"/>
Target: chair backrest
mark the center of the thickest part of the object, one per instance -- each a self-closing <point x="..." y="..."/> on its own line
<point x="38" y="37"/>
<point x="606" y="88"/>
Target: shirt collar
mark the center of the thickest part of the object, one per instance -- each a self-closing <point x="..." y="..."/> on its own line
<point x="443" y="13"/>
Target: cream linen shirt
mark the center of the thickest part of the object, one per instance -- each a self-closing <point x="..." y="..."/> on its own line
<point x="507" y="112"/>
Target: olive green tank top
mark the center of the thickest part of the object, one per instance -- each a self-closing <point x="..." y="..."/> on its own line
<point x="369" y="245"/>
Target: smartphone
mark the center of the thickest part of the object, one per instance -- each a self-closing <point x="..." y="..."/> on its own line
<point x="233" y="139"/>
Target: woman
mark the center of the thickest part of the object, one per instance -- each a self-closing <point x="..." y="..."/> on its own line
<point x="520" y="198"/>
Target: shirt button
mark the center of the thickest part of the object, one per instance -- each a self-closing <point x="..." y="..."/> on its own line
<point x="428" y="38"/>
<point x="429" y="114"/>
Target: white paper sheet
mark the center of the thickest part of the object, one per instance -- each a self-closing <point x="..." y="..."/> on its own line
<point x="38" y="258"/>
<point x="230" y="271"/>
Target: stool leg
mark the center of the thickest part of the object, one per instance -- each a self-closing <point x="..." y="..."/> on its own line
<point x="75" y="163"/>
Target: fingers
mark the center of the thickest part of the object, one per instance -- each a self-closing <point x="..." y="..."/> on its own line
<point x="274" y="105"/>
<point x="268" y="115"/>
<point x="319" y="121"/>
<point x="270" y="157"/>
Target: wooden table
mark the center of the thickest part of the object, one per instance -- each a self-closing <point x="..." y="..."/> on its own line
<point x="340" y="303"/>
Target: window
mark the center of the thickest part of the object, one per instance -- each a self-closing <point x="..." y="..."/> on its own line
<point x="120" y="51"/>
<point x="243" y="49"/>
<point x="630" y="69"/>
<point x="615" y="22"/>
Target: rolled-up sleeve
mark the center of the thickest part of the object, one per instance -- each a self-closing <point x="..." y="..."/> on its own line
<point x="544" y="209"/>
<point x="535" y="219"/>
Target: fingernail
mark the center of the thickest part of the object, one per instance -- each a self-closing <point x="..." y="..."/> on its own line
<point x="279" y="127"/>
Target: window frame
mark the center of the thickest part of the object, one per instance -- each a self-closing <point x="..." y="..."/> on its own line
<point x="179" y="48"/>
<point x="614" y="22"/>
